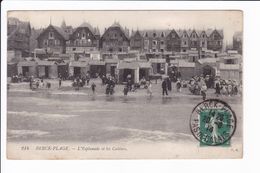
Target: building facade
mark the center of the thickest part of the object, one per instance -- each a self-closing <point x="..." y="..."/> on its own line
<point x="53" y="39"/>
<point x="237" y="42"/>
<point x="115" y="39"/>
<point x="136" y="41"/>
<point x="173" y="42"/>
<point x="215" y="40"/>
<point x="18" y="36"/>
<point x="85" y="38"/>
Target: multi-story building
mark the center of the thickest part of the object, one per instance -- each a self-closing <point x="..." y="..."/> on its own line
<point x="115" y="39"/>
<point x="18" y="36"/>
<point x="237" y="42"/>
<point x="85" y="38"/>
<point x="215" y="40"/>
<point x="173" y="41"/>
<point x="136" y="41"/>
<point x="185" y="40"/>
<point x="155" y="40"/>
<point x="53" y="39"/>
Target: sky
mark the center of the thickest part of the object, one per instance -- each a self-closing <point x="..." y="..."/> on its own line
<point x="229" y="21"/>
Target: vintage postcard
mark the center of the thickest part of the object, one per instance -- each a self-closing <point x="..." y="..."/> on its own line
<point x="141" y="84"/>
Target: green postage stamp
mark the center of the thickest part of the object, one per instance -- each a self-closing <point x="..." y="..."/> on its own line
<point x="213" y="123"/>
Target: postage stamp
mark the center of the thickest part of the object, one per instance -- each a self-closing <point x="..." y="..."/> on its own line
<point x="213" y="122"/>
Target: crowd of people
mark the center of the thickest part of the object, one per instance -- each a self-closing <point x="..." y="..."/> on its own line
<point x="197" y="85"/>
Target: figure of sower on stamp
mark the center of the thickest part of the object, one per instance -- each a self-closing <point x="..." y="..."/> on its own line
<point x="213" y="123"/>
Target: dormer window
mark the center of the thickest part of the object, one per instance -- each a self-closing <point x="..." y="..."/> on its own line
<point x="83" y="35"/>
<point x="162" y="35"/>
<point x="50" y="35"/>
<point x="154" y="34"/>
<point x="146" y="35"/>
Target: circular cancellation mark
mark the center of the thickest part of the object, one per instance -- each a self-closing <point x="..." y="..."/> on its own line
<point x="213" y="122"/>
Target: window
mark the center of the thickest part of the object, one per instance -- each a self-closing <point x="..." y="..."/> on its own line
<point x="45" y="42"/>
<point x="162" y="50"/>
<point x="162" y="35"/>
<point x="120" y="49"/>
<point x="50" y="35"/>
<point x="78" y="34"/>
<point x="162" y="42"/>
<point x="154" y="34"/>
<point x="203" y="35"/>
<point x="230" y="61"/>
<point x="74" y="49"/>
<point x="219" y="43"/>
<point x="154" y="42"/>
<point x="193" y="35"/>
<point x="185" y="43"/>
<point x="154" y="50"/>
<point x="146" y="34"/>
<point x="57" y="42"/>
<point x="83" y="35"/>
<point x="203" y="43"/>
<point x="89" y="41"/>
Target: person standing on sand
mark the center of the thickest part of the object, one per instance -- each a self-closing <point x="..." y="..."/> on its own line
<point x="149" y="88"/>
<point x="164" y="87"/>
<point x="59" y="82"/>
<point x="125" y="90"/>
<point x="93" y="87"/>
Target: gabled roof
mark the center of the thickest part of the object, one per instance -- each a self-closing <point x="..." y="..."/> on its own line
<point x="117" y="25"/>
<point x="62" y="32"/>
<point x="87" y="25"/>
<point x="158" y="33"/>
<point x="136" y="33"/>
<point x="58" y="29"/>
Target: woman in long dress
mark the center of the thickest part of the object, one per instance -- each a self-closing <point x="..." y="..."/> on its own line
<point x="149" y="89"/>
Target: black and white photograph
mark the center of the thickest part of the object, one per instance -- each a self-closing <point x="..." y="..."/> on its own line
<point x="128" y="84"/>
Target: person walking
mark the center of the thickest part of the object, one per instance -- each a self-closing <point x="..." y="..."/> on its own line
<point x="164" y="87"/>
<point x="178" y="86"/>
<point x="169" y="84"/>
<point x="218" y="88"/>
<point x="93" y="87"/>
<point x="59" y="82"/>
<point x="125" y="90"/>
<point x="149" y="88"/>
<point x="203" y="91"/>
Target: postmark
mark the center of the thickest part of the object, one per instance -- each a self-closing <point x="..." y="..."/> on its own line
<point x="213" y="123"/>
